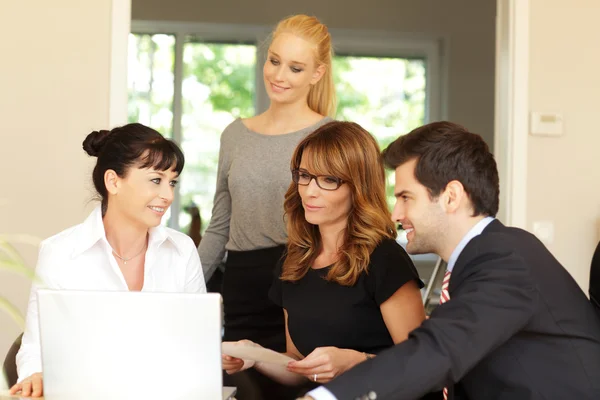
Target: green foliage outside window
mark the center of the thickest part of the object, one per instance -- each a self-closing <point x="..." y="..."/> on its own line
<point x="385" y="95"/>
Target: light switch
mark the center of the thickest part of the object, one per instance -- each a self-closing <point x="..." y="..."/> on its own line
<point x="546" y="124"/>
<point x="544" y="230"/>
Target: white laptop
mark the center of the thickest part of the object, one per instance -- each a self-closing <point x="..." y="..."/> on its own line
<point x="131" y="345"/>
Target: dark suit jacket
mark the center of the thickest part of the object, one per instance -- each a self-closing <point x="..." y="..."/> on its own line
<point x="595" y="279"/>
<point x="517" y="327"/>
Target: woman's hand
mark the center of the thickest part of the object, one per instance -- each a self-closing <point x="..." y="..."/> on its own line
<point x="325" y="363"/>
<point x="30" y="386"/>
<point x="231" y="364"/>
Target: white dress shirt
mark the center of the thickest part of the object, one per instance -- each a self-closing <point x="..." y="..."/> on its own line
<point x="80" y="258"/>
<point x="321" y="393"/>
<point x="474" y="231"/>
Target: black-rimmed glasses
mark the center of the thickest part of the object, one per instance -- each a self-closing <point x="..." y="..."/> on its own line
<point x="325" y="182"/>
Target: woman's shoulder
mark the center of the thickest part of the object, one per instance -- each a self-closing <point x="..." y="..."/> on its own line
<point x="233" y="131"/>
<point x="252" y="123"/>
<point x="70" y="237"/>
<point x="182" y="241"/>
<point x="390" y="251"/>
<point x="316" y="121"/>
<point x="391" y="267"/>
<point x="387" y="244"/>
<point x="65" y="239"/>
<point x="75" y="239"/>
<point x="63" y="246"/>
<point x="314" y="125"/>
<point x="323" y="119"/>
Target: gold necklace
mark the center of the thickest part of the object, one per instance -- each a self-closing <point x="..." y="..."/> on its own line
<point x="130" y="258"/>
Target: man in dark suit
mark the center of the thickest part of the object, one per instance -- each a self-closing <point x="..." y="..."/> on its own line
<point x="595" y="279"/>
<point x="515" y="325"/>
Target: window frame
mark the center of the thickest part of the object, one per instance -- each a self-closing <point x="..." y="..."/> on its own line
<point x="346" y="42"/>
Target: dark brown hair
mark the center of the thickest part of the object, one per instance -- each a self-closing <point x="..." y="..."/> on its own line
<point x="130" y="145"/>
<point x="446" y="151"/>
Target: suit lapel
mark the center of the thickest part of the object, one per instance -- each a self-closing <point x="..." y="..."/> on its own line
<point x="465" y="255"/>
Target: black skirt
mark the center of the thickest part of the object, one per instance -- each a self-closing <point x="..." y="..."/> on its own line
<point x="249" y="313"/>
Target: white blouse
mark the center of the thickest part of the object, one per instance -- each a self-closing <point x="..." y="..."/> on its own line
<point x="80" y="258"/>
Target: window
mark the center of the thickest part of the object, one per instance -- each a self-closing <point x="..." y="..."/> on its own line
<point x="385" y="95"/>
<point x="191" y="83"/>
<point x="218" y="86"/>
<point x="150" y="81"/>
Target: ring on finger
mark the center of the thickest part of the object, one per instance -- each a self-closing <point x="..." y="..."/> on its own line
<point x="315" y="377"/>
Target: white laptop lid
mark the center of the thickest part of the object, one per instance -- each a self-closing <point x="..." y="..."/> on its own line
<point x="130" y="345"/>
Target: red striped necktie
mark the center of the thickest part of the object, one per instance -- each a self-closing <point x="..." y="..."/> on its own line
<point x="444" y="297"/>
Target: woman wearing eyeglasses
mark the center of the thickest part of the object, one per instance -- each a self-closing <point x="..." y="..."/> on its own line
<point x="347" y="288"/>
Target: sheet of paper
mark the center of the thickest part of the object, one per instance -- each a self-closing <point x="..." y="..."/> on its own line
<point x="250" y="352"/>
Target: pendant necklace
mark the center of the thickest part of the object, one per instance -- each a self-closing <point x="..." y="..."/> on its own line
<point x="128" y="258"/>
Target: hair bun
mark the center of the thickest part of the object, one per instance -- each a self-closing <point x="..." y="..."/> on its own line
<point x="95" y="141"/>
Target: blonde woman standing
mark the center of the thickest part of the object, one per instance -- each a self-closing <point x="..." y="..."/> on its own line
<point x="253" y="175"/>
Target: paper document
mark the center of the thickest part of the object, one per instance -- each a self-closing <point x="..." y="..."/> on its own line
<point x="250" y="352"/>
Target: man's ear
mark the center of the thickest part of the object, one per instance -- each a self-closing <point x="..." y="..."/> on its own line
<point x="112" y="181"/>
<point x="453" y="196"/>
<point x="318" y="74"/>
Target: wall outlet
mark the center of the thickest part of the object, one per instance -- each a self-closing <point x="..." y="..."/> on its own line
<point x="544" y="230"/>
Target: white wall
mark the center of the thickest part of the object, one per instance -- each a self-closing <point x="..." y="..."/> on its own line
<point x="54" y="75"/>
<point x="564" y="173"/>
<point x="466" y="26"/>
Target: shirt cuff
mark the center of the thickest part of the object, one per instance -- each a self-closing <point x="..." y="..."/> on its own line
<point x="28" y="369"/>
<point x="321" y="393"/>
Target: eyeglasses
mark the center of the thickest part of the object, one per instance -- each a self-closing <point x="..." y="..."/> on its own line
<point x="325" y="182"/>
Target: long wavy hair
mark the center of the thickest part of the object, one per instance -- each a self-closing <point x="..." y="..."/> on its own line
<point x="347" y="151"/>
<point x="321" y="97"/>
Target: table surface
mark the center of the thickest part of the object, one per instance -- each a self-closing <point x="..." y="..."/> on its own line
<point x="5" y="396"/>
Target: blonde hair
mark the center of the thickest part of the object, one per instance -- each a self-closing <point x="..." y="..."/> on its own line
<point x="321" y="97"/>
<point x="347" y="151"/>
